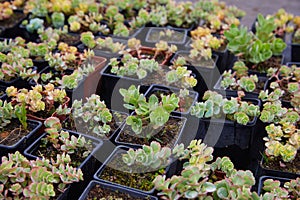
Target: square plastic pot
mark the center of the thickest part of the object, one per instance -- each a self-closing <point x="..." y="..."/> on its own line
<point x="3" y="97"/>
<point x="88" y="166"/>
<point x="134" y="145"/>
<point x="110" y="85"/>
<point x="17" y="82"/>
<point x="169" y="170"/>
<point x="104" y="53"/>
<point x="82" y="130"/>
<point x="262" y="170"/>
<point x="23" y="142"/>
<point x="234" y="93"/>
<point x="221" y="133"/>
<point x="206" y="77"/>
<point x="295" y="50"/>
<point x="262" y="179"/>
<point x="114" y="188"/>
<point x="157" y="30"/>
<point x="167" y="89"/>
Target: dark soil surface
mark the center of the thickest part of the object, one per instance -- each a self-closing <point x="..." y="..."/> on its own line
<point x="292" y="167"/>
<point x="82" y="127"/>
<point x="97" y="192"/>
<point x="122" y="174"/>
<point x="166" y="136"/>
<point x="13" y="133"/>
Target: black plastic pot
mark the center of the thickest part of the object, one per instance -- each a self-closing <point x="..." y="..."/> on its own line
<point x="110" y="85"/>
<point x="264" y="74"/>
<point x="295" y="50"/>
<point x="169" y="170"/>
<point x="262" y="170"/>
<point x="167" y="89"/>
<point x="262" y="179"/>
<point x="224" y="57"/>
<point x="25" y="141"/>
<point x="206" y="77"/>
<point x="134" y="33"/>
<point x="156" y="30"/>
<point x="102" y="52"/>
<point x="3" y="96"/>
<point x="11" y="29"/>
<point x="133" y="145"/>
<point x="17" y="82"/>
<point x="114" y="188"/>
<point x="233" y="93"/>
<point x="285" y="103"/>
<point x="88" y="166"/>
<point x="220" y="133"/>
<point x="83" y="130"/>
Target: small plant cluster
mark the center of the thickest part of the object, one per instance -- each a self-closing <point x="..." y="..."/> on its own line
<point x="255" y="48"/>
<point x="153" y="156"/>
<point x="16" y="63"/>
<point x="235" y="109"/>
<point x="282" y="141"/>
<point x="161" y="49"/>
<point x="152" y="112"/>
<point x="203" y="43"/>
<point x="36" y="179"/>
<point x="219" y="17"/>
<point x="40" y="99"/>
<point x="290" y="190"/>
<point x="204" y="179"/>
<point x="20" y="49"/>
<point x="6" y="10"/>
<point x="63" y="142"/>
<point x="282" y="19"/>
<point x="10" y="112"/>
<point x="68" y="59"/>
<point x="133" y="67"/>
<point x="179" y="76"/>
<point x="94" y="114"/>
<point x="88" y="39"/>
<point x="296" y="27"/>
<point x="239" y="79"/>
<point x="285" y="80"/>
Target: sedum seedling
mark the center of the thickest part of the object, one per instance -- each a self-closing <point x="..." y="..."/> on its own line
<point x="152" y="112"/>
<point x="153" y="156"/>
<point x="239" y="78"/>
<point x="282" y="142"/>
<point x="255" y="48"/>
<point x="36" y="179"/>
<point x="94" y="113"/>
<point x="199" y="179"/>
<point x="235" y="109"/>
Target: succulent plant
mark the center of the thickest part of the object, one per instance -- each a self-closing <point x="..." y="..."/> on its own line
<point x="131" y="66"/>
<point x="198" y="178"/>
<point x="6" y="10"/>
<point x="203" y="43"/>
<point x="272" y="189"/>
<point x="239" y="79"/>
<point x="282" y="141"/>
<point x="62" y="141"/>
<point x="39" y="98"/>
<point x="235" y="109"/>
<point x="150" y="111"/>
<point x="88" y="39"/>
<point x="15" y="64"/>
<point x="153" y="156"/>
<point x="36" y="179"/>
<point x="255" y="48"/>
<point x="94" y="114"/>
